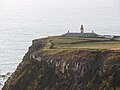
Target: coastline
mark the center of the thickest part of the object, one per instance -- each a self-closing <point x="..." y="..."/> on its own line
<point x="43" y="62"/>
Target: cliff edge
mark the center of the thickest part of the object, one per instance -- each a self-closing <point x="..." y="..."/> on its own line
<point x="51" y="65"/>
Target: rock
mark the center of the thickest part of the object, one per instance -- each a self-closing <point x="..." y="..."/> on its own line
<point x="8" y="74"/>
<point x="3" y="77"/>
<point x="1" y="84"/>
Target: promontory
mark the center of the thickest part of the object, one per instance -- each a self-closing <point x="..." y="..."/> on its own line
<point x="68" y="63"/>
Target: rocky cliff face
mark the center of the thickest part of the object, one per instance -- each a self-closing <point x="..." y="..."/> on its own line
<point x="66" y="70"/>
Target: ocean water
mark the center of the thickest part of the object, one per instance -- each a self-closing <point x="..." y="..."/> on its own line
<point x="21" y="21"/>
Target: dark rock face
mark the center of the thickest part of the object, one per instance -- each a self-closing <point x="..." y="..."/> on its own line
<point x="73" y="70"/>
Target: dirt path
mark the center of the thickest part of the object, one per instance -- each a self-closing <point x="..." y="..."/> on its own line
<point x="115" y="49"/>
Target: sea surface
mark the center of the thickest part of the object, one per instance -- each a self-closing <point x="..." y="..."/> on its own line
<point x="21" y="21"/>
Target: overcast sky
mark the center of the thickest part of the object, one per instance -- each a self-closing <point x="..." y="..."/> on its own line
<point x="96" y="12"/>
<point x="5" y="4"/>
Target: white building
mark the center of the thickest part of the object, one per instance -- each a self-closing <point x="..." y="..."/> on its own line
<point x="117" y="38"/>
<point x="81" y="34"/>
<point x="108" y="36"/>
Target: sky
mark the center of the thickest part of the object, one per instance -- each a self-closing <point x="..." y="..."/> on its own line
<point x="86" y="11"/>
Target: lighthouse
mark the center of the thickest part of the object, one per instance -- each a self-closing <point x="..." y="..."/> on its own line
<point x="82" y="29"/>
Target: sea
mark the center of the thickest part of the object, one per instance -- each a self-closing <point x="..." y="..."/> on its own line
<point x="21" y="21"/>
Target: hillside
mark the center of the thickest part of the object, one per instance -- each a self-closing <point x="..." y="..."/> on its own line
<point x="68" y="63"/>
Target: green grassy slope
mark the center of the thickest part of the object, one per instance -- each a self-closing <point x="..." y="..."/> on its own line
<point x="83" y="43"/>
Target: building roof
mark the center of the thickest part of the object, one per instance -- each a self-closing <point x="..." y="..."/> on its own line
<point x="81" y="34"/>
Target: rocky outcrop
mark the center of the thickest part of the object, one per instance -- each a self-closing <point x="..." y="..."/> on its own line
<point x="66" y="70"/>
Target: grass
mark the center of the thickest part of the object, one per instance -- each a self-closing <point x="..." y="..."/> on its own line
<point x="88" y="43"/>
<point x="117" y="88"/>
<point x="71" y="43"/>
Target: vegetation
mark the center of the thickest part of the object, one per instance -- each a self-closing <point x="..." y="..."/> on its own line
<point x="117" y="88"/>
<point x="83" y="43"/>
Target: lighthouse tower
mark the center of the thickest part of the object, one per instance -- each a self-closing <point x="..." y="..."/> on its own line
<point x="82" y="29"/>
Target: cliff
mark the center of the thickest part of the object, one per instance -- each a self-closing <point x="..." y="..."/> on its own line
<point x="46" y="68"/>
